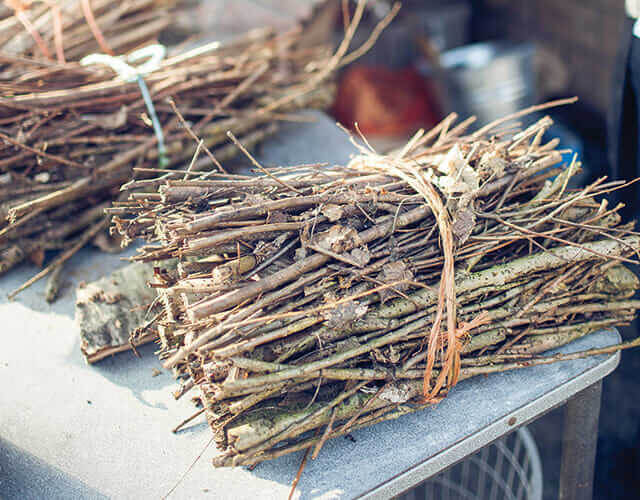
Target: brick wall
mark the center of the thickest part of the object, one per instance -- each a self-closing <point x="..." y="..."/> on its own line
<point x="584" y="34"/>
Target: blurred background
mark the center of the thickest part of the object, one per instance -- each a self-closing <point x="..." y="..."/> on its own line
<point x="482" y="57"/>
<point x="489" y="58"/>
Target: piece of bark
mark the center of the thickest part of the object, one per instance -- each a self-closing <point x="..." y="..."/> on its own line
<point x="108" y="309"/>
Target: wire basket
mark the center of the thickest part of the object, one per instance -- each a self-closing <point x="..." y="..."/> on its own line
<point x="508" y="468"/>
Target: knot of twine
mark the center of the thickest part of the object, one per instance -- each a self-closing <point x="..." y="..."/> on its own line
<point x="153" y="56"/>
<point x="449" y="347"/>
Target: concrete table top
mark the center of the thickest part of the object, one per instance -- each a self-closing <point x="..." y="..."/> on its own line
<point x="68" y="430"/>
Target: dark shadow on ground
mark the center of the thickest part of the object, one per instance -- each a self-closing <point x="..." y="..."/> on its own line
<point x="137" y="374"/>
<point x="25" y="477"/>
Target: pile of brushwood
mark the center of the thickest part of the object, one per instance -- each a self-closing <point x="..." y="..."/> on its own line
<point x="311" y="301"/>
<point x="58" y="31"/>
<point x="71" y="134"/>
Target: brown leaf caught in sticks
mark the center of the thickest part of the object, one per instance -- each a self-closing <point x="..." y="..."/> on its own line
<point x="463" y="223"/>
<point x="338" y="239"/>
<point x="332" y="212"/>
<point x="344" y="315"/>
<point x="394" y="272"/>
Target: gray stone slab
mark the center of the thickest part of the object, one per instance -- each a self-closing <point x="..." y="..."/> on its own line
<point x="69" y="430"/>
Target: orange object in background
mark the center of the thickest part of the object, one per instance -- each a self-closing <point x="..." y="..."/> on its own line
<point x="384" y="101"/>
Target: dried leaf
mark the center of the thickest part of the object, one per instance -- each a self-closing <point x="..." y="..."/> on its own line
<point x="463" y="223"/>
<point x="332" y="212"/>
<point x="339" y="239"/>
<point x="393" y="273"/>
<point x="452" y="162"/>
<point x="344" y="315"/>
<point x="223" y="275"/>
<point x="361" y="255"/>
<point x="492" y="164"/>
<point x="459" y="176"/>
<point x="396" y="392"/>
